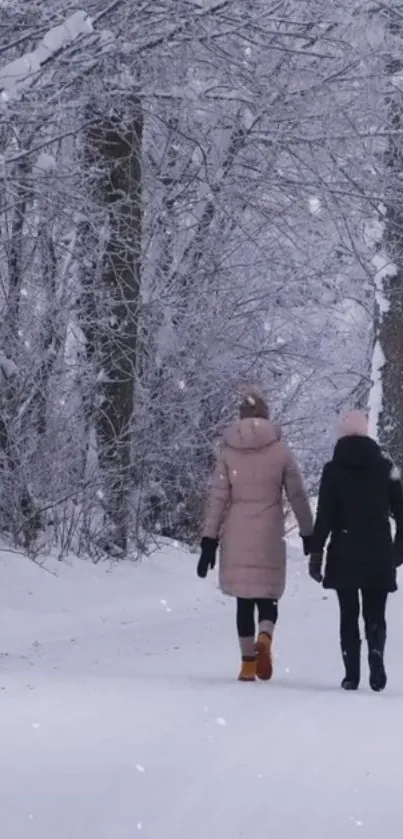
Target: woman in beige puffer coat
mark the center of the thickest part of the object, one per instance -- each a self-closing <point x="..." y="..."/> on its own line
<point x="245" y="513"/>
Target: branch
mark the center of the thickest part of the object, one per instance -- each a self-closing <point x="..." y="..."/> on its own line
<point x="20" y="74"/>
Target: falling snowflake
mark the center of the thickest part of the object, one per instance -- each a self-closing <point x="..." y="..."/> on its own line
<point x="314" y="205"/>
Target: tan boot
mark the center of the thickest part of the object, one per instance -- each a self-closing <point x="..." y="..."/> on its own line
<point x="248" y="671"/>
<point x="264" y="661"/>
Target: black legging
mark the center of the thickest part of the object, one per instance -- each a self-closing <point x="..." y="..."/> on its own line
<point x="373" y="610"/>
<point x="245" y="614"/>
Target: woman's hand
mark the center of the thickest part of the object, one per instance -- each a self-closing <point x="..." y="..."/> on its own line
<point x="398" y="553"/>
<point x="208" y="556"/>
<point x="315" y="567"/>
<point x="306" y="541"/>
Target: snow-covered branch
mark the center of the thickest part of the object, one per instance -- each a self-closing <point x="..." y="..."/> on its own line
<point x="19" y="75"/>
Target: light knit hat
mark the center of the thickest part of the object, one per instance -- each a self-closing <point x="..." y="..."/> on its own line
<point x="355" y="423"/>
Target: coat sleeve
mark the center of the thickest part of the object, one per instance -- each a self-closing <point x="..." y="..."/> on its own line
<point x="217" y="500"/>
<point x="297" y="495"/>
<point x="396" y="501"/>
<point x="324" y="513"/>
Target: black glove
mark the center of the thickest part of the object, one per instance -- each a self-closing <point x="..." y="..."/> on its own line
<point x="398" y="553"/>
<point x="306" y="541"/>
<point x="315" y="567"/>
<point x="208" y="556"/>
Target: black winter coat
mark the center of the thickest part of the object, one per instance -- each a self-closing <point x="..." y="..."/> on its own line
<point x="360" y="489"/>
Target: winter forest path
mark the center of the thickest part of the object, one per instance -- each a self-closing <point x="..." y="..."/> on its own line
<point x="123" y="716"/>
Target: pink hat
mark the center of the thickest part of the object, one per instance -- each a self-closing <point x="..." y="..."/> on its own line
<point x="355" y="423"/>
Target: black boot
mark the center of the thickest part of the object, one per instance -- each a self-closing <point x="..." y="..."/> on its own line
<point x="352" y="663"/>
<point x="376" y="638"/>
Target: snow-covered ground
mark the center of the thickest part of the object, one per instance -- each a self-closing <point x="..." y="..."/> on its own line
<point x="120" y="713"/>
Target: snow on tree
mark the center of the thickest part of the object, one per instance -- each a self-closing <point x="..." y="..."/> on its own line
<point x="386" y="400"/>
<point x="184" y="193"/>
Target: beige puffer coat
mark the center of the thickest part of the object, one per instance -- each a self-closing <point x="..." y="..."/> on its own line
<point x="245" y="509"/>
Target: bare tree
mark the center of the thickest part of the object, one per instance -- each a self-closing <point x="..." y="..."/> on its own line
<point x="113" y="153"/>
<point x="184" y="194"/>
<point x="387" y="391"/>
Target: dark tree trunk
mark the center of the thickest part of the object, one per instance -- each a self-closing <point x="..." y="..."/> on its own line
<point x="16" y="259"/>
<point x="113" y="152"/>
<point x="18" y="511"/>
<point x="389" y="320"/>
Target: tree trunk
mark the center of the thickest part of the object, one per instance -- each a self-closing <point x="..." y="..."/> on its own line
<point x="114" y="151"/>
<point x="18" y="510"/>
<point x="387" y="392"/>
<point x="16" y="259"/>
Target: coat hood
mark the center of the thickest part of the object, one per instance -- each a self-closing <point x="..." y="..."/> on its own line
<point x="357" y="452"/>
<point x="247" y="434"/>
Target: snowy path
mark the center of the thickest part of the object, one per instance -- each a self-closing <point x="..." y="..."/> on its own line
<point x="125" y="719"/>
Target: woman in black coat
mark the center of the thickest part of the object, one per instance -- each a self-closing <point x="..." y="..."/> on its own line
<point x="359" y="491"/>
